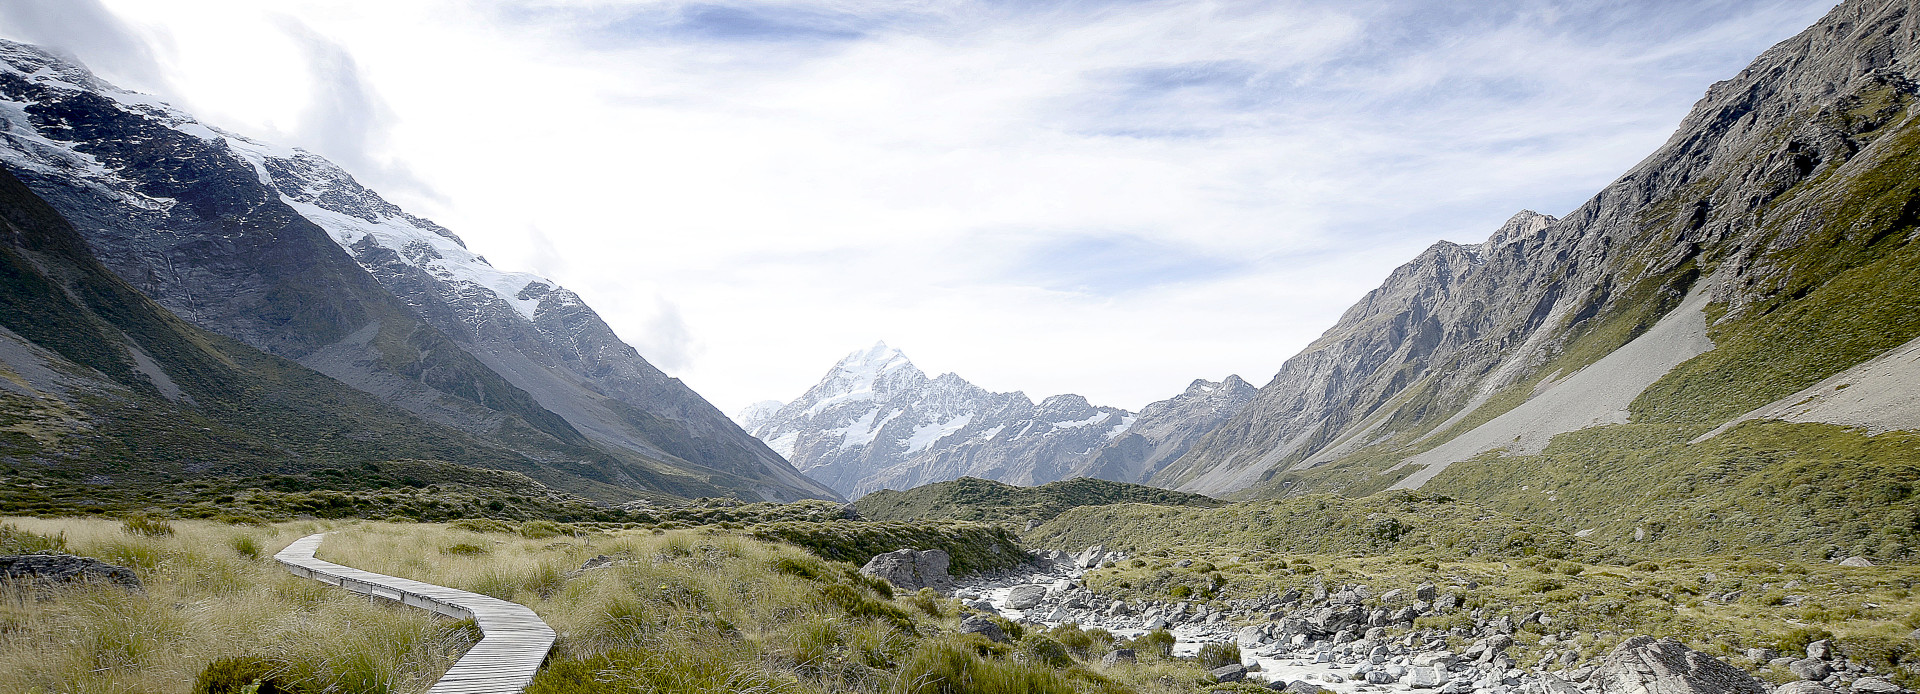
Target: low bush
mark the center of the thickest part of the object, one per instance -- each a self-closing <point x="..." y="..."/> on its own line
<point x="146" y="526"/>
<point x="1214" y="655"/>
<point x="16" y="541"/>
<point x="465" y="549"/>
<point x="1158" y="641"/>
<point x="245" y="545"/>
<point x="243" y="675"/>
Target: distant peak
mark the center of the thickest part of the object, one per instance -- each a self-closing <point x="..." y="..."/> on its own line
<point x="1522" y="224"/>
<point x="879" y="353"/>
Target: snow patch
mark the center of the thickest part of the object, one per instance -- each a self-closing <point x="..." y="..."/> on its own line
<point x="1090" y="421"/>
<point x="927" y="434"/>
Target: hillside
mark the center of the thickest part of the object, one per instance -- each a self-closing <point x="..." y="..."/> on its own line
<point x="1769" y="245"/>
<point x="974" y="499"/>
<point x="285" y="252"/>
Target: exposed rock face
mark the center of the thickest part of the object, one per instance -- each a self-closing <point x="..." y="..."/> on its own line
<point x="1642" y="665"/>
<point x="876" y="421"/>
<point x="975" y="624"/>
<point x="284" y="251"/>
<point x="1707" y="215"/>
<point x="912" y="569"/>
<point x="61" y="569"/>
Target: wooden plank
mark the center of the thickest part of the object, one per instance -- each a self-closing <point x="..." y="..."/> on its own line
<point x="513" y="640"/>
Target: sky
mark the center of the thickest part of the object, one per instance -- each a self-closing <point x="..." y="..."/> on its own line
<point x="1103" y="198"/>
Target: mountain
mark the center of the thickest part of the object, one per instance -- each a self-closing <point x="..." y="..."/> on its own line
<point x="112" y="402"/>
<point x="876" y="421"/>
<point x="1711" y="340"/>
<point x="975" y="499"/>
<point x="285" y="252"/>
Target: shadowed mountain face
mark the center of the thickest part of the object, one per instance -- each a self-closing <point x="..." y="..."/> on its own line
<point x="286" y="252"/>
<point x="877" y="422"/>
<point x="1767" y="246"/>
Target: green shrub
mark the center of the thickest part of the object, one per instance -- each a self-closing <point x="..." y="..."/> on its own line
<point x="1036" y="648"/>
<point x="1215" y="655"/>
<point x="16" y="541"/>
<point x="1645" y="566"/>
<point x="465" y="549"/>
<point x="243" y="675"/>
<point x="926" y="600"/>
<point x="1158" y="641"/>
<point x="543" y="529"/>
<point x="1543" y="585"/>
<point x="853" y="603"/>
<point x="245" y="546"/>
<point x="810" y="570"/>
<point x="955" y="666"/>
<point x="1180" y="591"/>
<point x="1796" y="641"/>
<point x="145" y="526"/>
<point x="482" y="525"/>
<point x="1084" y="643"/>
<point x="1880" y="651"/>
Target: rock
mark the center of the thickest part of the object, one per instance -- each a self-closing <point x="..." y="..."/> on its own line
<point x="1439" y="659"/>
<point x="1456" y="687"/>
<point x="1091" y="557"/>
<point x="1856" y="561"/>
<point x="43" y="570"/>
<point x="912" y="569"/>
<point x="1184" y="563"/>
<point x="975" y="624"/>
<point x="1380" y="677"/>
<point x="1426" y="592"/>
<point x="1875" y="685"/>
<point x="1426" y="677"/>
<point x="1643" y="665"/>
<point x="1303" y="687"/>
<point x="1031" y="524"/>
<point x="1446" y="602"/>
<point x="1391" y="595"/>
<point x="1554" y="685"/>
<point x="1230" y="673"/>
<point x="1802" y="688"/>
<point x="1024" y="597"/>
<point x="1153" y="623"/>
<point x="1810" y="669"/>
<point x="1118" y="656"/>
<point x="1822" y="649"/>
<point x="1761" y="655"/>
<point x="1251" y="636"/>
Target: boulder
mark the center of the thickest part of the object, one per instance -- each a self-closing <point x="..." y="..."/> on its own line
<point x="1554" y="685"/>
<point x="1024" y="597"/>
<point x="1421" y="677"/>
<point x="1380" y="677"/>
<point x="1251" y="636"/>
<point x="1761" y="655"/>
<point x="1810" y="669"/>
<point x="1802" y="688"/>
<point x="1875" y="685"/>
<point x="1303" y="687"/>
<point x="912" y="569"/>
<point x="976" y="624"/>
<point x="1643" y="665"/>
<point x="44" y="570"/>
<point x="1426" y="592"/>
<point x="1822" y="649"/>
<point x="1230" y="673"/>
<point x="1856" y="561"/>
<point x="1439" y="659"/>
<point x="1118" y="656"/>
<point x="1153" y="623"/>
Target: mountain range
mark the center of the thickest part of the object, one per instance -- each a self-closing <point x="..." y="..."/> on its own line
<point x="285" y="252"/>
<point x="875" y="421"/>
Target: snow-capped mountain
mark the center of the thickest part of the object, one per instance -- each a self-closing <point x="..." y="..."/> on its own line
<point x="878" y="422"/>
<point x="285" y="251"/>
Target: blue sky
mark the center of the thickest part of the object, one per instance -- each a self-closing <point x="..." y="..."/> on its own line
<point x="1106" y="198"/>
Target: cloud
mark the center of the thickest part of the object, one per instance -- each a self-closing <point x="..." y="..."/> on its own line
<point x="345" y="119"/>
<point x="86" y="30"/>
<point x="1112" y="264"/>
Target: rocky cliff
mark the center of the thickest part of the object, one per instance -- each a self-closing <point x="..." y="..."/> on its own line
<point x="1765" y="247"/>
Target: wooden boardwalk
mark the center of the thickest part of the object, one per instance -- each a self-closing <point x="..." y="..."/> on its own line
<point x="513" y="643"/>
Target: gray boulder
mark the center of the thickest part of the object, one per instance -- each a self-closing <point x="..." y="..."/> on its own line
<point x="912" y="569"/>
<point x="1643" y="665"/>
<point x="1856" y="561"/>
<point x="1875" y="685"/>
<point x="1822" y="649"/>
<point x="1303" y="687"/>
<point x="1810" y="669"/>
<point x="45" y="570"/>
<point x="1024" y="597"/>
<point x="1230" y="673"/>
<point x="1118" y="656"/>
<point x="976" y="624"/>
<point x="1423" y="677"/>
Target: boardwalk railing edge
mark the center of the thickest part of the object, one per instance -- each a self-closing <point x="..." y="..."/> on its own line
<point x="513" y="642"/>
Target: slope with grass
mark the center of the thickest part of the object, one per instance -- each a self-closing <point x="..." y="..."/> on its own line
<point x="1785" y="203"/>
<point x="974" y="499"/>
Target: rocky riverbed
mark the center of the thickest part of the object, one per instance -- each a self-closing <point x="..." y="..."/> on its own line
<point x="1352" y="641"/>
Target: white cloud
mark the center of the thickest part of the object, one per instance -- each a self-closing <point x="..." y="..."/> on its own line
<point x="1108" y="199"/>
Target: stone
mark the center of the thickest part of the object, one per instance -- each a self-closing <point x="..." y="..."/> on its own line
<point x="1439" y="659"/>
<point x="1876" y="685"/>
<point x="1802" y="688"/>
<point x="1118" y="656"/>
<point x="1031" y="524"/>
<point x="1822" y="649"/>
<point x="1810" y="669"/>
<point x="1251" y="636"/>
<point x="1856" y="561"/>
<point x="1230" y="673"/>
<point x="975" y="624"/>
<point x="1761" y="655"/>
<point x="912" y="569"/>
<point x="1446" y="602"/>
<point x="45" y="570"/>
<point x="1426" y="677"/>
<point x="1643" y="665"/>
<point x="1456" y="687"/>
<point x="1024" y="597"/>
<point x="1380" y="677"/>
<point x="1426" y="592"/>
<point x="1303" y="687"/>
<point x="1153" y="623"/>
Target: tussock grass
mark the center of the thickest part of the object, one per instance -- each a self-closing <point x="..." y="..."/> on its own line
<point x="208" y="597"/>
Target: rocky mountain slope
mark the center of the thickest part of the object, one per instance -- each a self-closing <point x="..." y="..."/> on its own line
<point x="877" y="422"/>
<point x="975" y="499"/>
<point x="285" y="252"/>
<point x="1768" y="246"/>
